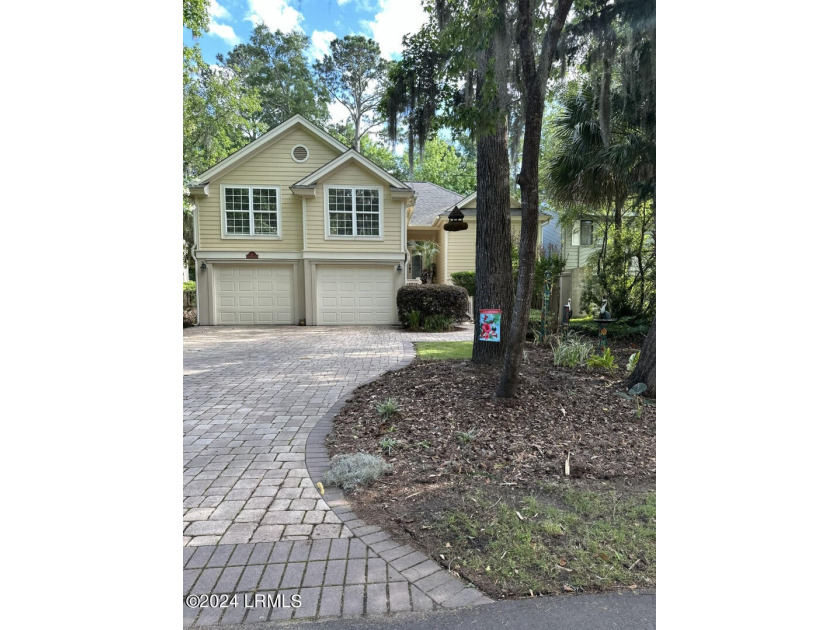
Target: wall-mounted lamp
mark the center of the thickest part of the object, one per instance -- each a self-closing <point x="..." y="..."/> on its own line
<point x="203" y="266"/>
<point x="399" y="267"/>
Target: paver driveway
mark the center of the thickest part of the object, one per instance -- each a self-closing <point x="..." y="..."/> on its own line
<point x="254" y="523"/>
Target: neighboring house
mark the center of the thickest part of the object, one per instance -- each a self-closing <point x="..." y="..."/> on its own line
<point x="298" y="227"/>
<point x="552" y="231"/>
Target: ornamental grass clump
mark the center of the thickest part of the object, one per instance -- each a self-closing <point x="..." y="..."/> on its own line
<point x="573" y="351"/>
<point x="388" y="408"/>
<point x="358" y="469"/>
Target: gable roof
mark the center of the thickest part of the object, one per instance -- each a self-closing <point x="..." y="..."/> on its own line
<point x="260" y="143"/>
<point x="515" y="209"/>
<point x="350" y="155"/>
<point x="431" y="200"/>
<point x="514" y="202"/>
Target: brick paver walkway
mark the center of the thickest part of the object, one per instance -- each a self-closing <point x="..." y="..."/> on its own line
<point x="257" y="404"/>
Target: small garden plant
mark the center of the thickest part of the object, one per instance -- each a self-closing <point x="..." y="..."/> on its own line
<point x="437" y="323"/>
<point x="413" y="320"/>
<point x="388" y="408"/>
<point x="389" y="444"/>
<point x="573" y="351"/>
<point x="349" y="471"/>
<point x="465" y="437"/>
<point x="606" y="361"/>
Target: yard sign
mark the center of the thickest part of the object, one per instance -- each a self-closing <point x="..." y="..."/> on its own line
<point x="491" y="323"/>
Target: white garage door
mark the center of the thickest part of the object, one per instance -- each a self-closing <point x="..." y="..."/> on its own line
<point x="356" y="295"/>
<point x="253" y="294"/>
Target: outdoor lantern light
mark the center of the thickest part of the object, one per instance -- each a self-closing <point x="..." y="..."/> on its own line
<point x="456" y="221"/>
<point x="399" y="267"/>
<point x="203" y="266"/>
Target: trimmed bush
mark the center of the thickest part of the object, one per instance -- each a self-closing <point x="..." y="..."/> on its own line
<point x="349" y="471"/>
<point x="621" y="328"/>
<point x="465" y="279"/>
<point x="432" y="299"/>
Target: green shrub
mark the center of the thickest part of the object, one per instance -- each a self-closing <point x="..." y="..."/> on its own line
<point x="465" y="279"/>
<point x="621" y="328"/>
<point x="437" y="323"/>
<point x="189" y="296"/>
<point x="606" y="361"/>
<point x="349" y="471"/>
<point x="432" y="299"/>
<point x="414" y="318"/>
<point x="574" y="351"/>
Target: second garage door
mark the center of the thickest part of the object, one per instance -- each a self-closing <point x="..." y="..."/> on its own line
<point x="350" y="295"/>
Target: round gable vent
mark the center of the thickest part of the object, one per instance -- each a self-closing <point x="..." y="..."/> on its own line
<point x="300" y="153"/>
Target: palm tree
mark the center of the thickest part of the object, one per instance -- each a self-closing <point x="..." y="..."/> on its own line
<point x="427" y="250"/>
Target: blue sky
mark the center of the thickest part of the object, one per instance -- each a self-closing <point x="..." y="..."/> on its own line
<point x="385" y="21"/>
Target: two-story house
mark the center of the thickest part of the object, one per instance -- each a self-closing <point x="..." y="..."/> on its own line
<point x="296" y="227"/>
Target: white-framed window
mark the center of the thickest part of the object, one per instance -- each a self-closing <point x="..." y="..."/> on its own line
<point x="251" y="211"/>
<point x="353" y="211"/>
<point x="582" y="234"/>
<point x="586" y="239"/>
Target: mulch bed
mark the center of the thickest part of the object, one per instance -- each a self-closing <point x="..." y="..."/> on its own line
<point x="454" y="436"/>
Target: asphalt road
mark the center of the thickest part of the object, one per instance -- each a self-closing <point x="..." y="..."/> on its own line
<point x="622" y="611"/>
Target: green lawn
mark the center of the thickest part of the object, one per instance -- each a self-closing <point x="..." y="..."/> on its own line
<point x="555" y="538"/>
<point x="433" y="350"/>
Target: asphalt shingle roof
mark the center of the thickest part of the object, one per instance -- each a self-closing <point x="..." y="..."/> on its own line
<point x="431" y="201"/>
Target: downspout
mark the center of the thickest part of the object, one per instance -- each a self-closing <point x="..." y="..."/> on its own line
<point x="195" y="262"/>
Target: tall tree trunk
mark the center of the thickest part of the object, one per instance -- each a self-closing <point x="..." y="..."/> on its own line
<point x="645" y="371"/>
<point x="357" y="139"/>
<point x="528" y="184"/>
<point x="534" y="78"/>
<point x="494" y="275"/>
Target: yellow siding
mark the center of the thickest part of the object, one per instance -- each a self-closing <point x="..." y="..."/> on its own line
<point x="461" y="249"/>
<point x="392" y="224"/>
<point x="273" y="166"/>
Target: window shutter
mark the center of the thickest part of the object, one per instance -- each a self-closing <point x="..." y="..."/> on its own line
<point x="576" y="234"/>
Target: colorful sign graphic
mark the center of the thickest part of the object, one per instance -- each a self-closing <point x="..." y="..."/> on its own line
<point x="490" y="321"/>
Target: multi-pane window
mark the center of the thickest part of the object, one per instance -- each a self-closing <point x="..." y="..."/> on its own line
<point x="251" y="211"/>
<point x="341" y="211"/>
<point x="354" y="211"/>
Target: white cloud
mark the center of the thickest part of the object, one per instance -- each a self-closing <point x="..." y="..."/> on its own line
<point x="395" y="19"/>
<point x="341" y="3"/>
<point x="320" y="45"/>
<point x="224" y="32"/>
<point x="218" y="11"/>
<point x="275" y="14"/>
<point x="338" y="113"/>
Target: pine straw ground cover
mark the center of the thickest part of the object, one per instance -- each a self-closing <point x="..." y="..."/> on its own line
<point x="480" y="484"/>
